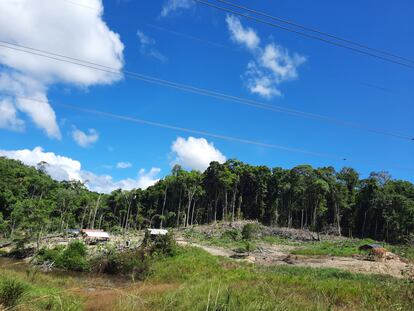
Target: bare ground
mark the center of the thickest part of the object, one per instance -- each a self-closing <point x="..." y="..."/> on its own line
<point x="271" y="254"/>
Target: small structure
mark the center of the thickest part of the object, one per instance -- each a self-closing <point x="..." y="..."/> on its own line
<point x="376" y="251"/>
<point x="94" y="235"/>
<point x="157" y="231"/>
<point x="369" y="247"/>
<point x="72" y="232"/>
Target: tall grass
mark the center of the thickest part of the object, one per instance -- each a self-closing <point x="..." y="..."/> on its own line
<point x="212" y="283"/>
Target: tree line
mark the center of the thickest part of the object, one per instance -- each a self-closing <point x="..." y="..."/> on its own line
<point x="320" y="199"/>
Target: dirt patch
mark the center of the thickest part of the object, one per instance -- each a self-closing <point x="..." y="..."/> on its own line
<point x="100" y="299"/>
<point x="393" y="267"/>
<point x="280" y="255"/>
<point x="213" y="250"/>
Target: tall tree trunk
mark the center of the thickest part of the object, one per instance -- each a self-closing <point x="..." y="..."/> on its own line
<point x="338" y="218"/>
<point x="239" y="206"/>
<point x="179" y="210"/>
<point x="315" y="215"/>
<point x="192" y="213"/>
<point x="301" y="219"/>
<point x="215" y="207"/>
<point x="83" y="216"/>
<point x="363" y="224"/>
<point x="190" y="198"/>
<point x="233" y="203"/>
<point x="225" y="206"/>
<point x="163" y="206"/>
<point x="100" y="221"/>
<point x="96" y="210"/>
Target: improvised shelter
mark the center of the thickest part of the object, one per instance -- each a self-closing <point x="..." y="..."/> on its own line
<point x="72" y="232"/>
<point x="369" y="247"/>
<point x="155" y="232"/>
<point x="94" y="235"/>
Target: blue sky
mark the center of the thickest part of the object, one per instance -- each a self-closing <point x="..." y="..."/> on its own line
<point x="203" y="47"/>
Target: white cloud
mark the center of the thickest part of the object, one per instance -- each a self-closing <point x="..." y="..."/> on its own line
<point x="8" y="116"/>
<point x="85" y="139"/>
<point x="59" y="27"/>
<point x="240" y="34"/>
<point x="271" y="64"/>
<point x="123" y="165"/>
<point x="106" y="184"/>
<point x="59" y="167"/>
<point x="65" y="168"/>
<point x="147" y="47"/>
<point x="195" y="153"/>
<point x="171" y="6"/>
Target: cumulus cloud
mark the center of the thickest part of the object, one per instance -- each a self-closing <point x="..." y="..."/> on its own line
<point x="59" y="167"/>
<point x="195" y="153"/>
<point x="59" y="27"/>
<point x="123" y="165"/>
<point x="271" y="64"/>
<point x="64" y="168"/>
<point x="147" y="47"/>
<point x="106" y="184"/>
<point x="84" y="139"/>
<point x="240" y="34"/>
<point x="8" y="116"/>
<point x="171" y="6"/>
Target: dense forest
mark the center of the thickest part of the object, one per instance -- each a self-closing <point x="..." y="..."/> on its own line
<point x="321" y="199"/>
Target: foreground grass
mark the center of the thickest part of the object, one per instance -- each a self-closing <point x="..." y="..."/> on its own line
<point x="203" y="282"/>
<point x="38" y="292"/>
<point x="196" y="280"/>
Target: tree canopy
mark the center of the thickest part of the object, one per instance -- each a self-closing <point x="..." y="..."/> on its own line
<point x="319" y="199"/>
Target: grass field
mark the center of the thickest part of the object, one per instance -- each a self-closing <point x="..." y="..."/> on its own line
<point x="204" y="282"/>
<point x="196" y="280"/>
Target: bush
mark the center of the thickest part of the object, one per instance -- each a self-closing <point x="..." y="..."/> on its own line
<point x="163" y="245"/>
<point x="71" y="257"/>
<point x="160" y="245"/>
<point x="232" y="234"/>
<point x="11" y="291"/>
<point x="250" y="231"/>
<point x="135" y="263"/>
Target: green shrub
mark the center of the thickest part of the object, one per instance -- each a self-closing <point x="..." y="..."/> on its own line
<point x="11" y="291"/>
<point x="160" y="245"/>
<point x="250" y="231"/>
<point x="71" y="257"/>
<point x="135" y="263"/>
<point x="232" y="234"/>
<point x="163" y="245"/>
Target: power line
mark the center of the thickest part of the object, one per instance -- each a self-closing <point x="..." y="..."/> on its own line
<point x="83" y="5"/>
<point x="178" y="128"/>
<point x="304" y="34"/>
<point x="199" y="132"/>
<point x="200" y="91"/>
<point x="220" y="45"/>
<point x="314" y="30"/>
<point x="190" y="37"/>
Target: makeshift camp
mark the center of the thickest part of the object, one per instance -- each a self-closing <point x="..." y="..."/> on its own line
<point x="158" y="231"/>
<point x="94" y="235"/>
<point x="376" y="252"/>
<point x="72" y="232"/>
<point x="368" y="247"/>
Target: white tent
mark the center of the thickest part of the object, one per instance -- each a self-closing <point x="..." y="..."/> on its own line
<point x="98" y="234"/>
<point x="158" y="231"/>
